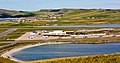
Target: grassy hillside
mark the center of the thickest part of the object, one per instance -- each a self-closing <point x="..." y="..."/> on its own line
<point x="71" y="17"/>
<point x="93" y="16"/>
<point x="78" y="16"/>
<point x="14" y="14"/>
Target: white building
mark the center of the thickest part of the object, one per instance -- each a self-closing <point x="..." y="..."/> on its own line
<point x="56" y="32"/>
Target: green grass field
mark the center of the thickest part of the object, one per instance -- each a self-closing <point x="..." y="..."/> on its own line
<point x="3" y="60"/>
<point x="73" y="17"/>
<point x="114" y="58"/>
<point x="2" y="29"/>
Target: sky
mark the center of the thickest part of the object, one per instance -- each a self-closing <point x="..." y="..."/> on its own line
<point x="32" y="5"/>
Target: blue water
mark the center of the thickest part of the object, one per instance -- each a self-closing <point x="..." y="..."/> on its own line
<point x="78" y="26"/>
<point x="4" y="19"/>
<point x="66" y="50"/>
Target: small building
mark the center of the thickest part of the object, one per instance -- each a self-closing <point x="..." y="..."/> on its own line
<point x="57" y="32"/>
<point x="70" y="32"/>
<point x="32" y="33"/>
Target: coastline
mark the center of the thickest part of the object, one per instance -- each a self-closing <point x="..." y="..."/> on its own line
<point x="8" y="54"/>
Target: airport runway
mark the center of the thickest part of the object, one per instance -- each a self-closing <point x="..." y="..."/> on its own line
<point x="7" y="32"/>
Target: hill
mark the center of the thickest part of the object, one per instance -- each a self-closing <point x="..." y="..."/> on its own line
<point x="87" y="16"/>
<point x="14" y="14"/>
<point x="82" y="16"/>
<point x="64" y="17"/>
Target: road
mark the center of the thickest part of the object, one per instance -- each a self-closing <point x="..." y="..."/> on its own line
<point x="79" y="26"/>
<point x="3" y="48"/>
<point x="7" y="32"/>
<point x="12" y="43"/>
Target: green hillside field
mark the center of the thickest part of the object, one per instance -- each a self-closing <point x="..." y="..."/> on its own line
<point x="71" y="17"/>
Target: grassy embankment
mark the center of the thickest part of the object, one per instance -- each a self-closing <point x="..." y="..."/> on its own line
<point x="113" y="58"/>
<point x="4" y="60"/>
<point x="18" y="45"/>
<point x="2" y="29"/>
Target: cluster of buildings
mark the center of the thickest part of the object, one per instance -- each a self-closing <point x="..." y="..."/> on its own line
<point x="72" y="34"/>
<point x="60" y="34"/>
<point x="51" y="17"/>
<point x="54" y="16"/>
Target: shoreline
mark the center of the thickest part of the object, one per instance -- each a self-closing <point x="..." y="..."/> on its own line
<point x="8" y="54"/>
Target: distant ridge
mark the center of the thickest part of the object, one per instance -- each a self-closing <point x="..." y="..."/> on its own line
<point x="17" y="14"/>
<point x="70" y="9"/>
<point x="14" y="14"/>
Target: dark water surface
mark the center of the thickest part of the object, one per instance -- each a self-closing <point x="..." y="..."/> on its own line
<point x="4" y="19"/>
<point x="78" y="26"/>
<point x="65" y="50"/>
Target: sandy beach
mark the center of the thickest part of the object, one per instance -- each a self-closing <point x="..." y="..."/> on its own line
<point x="8" y="54"/>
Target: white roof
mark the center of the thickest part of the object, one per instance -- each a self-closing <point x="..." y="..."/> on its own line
<point x="32" y="33"/>
<point x="58" y="31"/>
